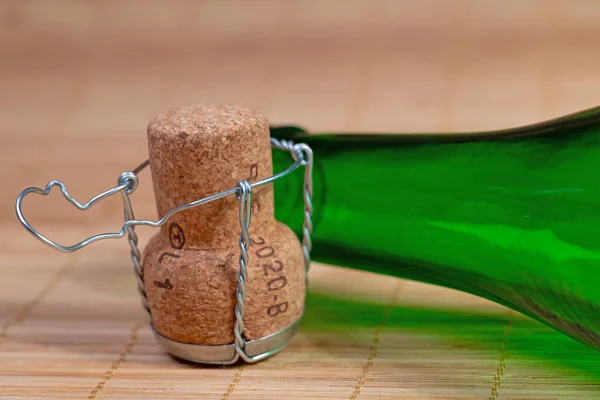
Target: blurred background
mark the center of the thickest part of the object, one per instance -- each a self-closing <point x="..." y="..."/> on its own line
<point x="79" y="81"/>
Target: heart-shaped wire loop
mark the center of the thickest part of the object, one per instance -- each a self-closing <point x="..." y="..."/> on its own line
<point x="128" y="182"/>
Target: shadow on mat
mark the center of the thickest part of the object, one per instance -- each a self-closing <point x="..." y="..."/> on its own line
<point x="528" y="342"/>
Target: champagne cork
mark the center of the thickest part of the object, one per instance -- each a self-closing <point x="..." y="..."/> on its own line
<point x="191" y="266"/>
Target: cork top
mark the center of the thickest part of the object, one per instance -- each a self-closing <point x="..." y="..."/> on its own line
<point x="207" y="119"/>
<point x="200" y="150"/>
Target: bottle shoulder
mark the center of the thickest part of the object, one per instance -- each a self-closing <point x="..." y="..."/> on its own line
<point x="582" y="122"/>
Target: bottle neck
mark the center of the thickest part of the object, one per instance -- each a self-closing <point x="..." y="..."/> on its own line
<point x="508" y="215"/>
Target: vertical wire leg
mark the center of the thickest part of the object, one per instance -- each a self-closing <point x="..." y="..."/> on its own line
<point x="245" y="213"/>
<point x="303" y="152"/>
<point x="307" y="193"/>
<point x="136" y="255"/>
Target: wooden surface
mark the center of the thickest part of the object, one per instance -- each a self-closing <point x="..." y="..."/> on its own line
<point x="79" y="81"/>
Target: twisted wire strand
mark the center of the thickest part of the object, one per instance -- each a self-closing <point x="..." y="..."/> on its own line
<point x="282" y="144"/>
<point x="303" y="153"/>
<point x="307" y="193"/>
<point x="136" y="255"/>
<point x="245" y="213"/>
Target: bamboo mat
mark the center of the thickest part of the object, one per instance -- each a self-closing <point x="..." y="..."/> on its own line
<point x="79" y="82"/>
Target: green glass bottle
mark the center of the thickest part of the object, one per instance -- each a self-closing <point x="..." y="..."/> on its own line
<point x="510" y="215"/>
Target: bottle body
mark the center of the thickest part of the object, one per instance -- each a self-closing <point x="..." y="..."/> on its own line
<point x="511" y="215"/>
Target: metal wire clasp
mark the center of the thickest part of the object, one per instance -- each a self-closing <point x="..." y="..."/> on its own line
<point x="126" y="185"/>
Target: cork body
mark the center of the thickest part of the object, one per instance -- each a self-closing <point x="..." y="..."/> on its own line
<point x="191" y="266"/>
